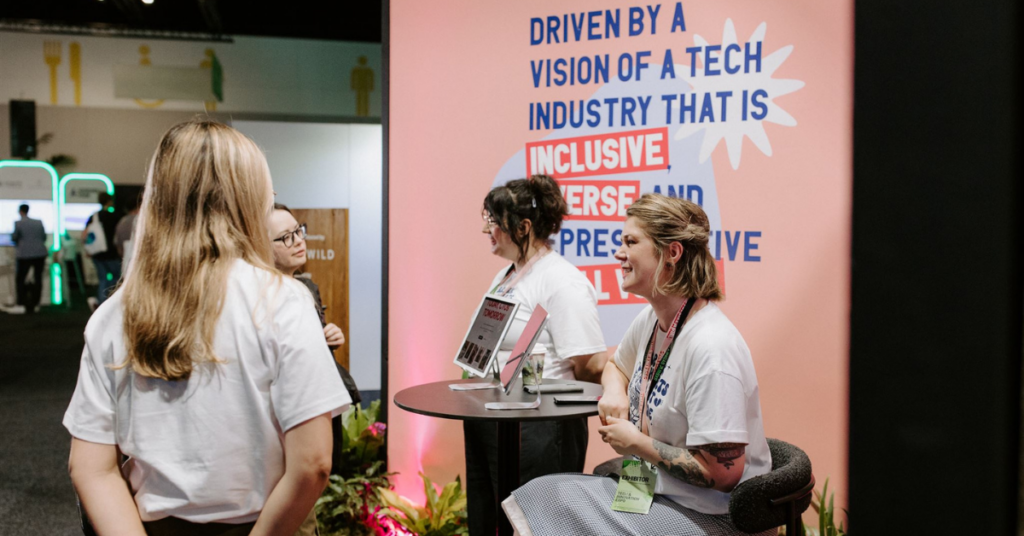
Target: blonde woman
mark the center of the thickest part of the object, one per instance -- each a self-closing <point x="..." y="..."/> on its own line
<point x="680" y="394"/>
<point x="207" y="368"/>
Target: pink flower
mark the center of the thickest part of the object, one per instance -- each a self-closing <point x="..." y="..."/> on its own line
<point x="377" y="429"/>
<point x="383" y="525"/>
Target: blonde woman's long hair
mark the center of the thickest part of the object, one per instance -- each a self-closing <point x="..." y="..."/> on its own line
<point x="206" y="202"/>
<point x="667" y="220"/>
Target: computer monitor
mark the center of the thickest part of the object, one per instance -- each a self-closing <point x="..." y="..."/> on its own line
<point x="77" y="214"/>
<point x="37" y="208"/>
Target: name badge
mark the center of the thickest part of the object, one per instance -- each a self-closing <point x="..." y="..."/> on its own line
<point x="636" y="487"/>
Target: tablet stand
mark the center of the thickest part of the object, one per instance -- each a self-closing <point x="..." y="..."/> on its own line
<point x="495" y="382"/>
<point x="515" y="405"/>
<point x="508" y="388"/>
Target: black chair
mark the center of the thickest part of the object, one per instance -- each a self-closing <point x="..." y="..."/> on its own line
<point x="767" y="501"/>
<point x="776" y="498"/>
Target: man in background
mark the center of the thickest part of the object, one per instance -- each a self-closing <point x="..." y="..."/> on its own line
<point x="30" y="252"/>
<point x="124" y="232"/>
<point x="108" y="262"/>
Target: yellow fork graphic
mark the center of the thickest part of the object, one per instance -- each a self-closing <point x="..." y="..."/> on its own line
<point x="75" y="57"/>
<point x="51" y="52"/>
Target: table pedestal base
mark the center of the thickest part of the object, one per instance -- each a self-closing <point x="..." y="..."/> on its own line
<point x="508" y="470"/>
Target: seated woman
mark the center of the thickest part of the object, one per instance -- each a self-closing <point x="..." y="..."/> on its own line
<point x="680" y="394"/>
<point x="207" y="368"/>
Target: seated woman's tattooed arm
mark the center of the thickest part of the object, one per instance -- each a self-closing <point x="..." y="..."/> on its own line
<point x="717" y="466"/>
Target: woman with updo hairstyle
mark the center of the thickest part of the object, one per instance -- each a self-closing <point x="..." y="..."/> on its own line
<point x="519" y="218"/>
<point x="207" y="368"/>
<point x="680" y="395"/>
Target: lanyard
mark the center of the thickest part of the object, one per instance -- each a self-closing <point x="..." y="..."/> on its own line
<point x="503" y="289"/>
<point x="654" y="360"/>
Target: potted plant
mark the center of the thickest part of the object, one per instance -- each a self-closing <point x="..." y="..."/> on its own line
<point x="444" y="514"/>
<point x="350" y="504"/>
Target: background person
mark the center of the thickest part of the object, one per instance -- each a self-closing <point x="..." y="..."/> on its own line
<point x="107" y="262"/>
<point x="207" y="368"/>
<point x="289" y="243"/>
<point x="30" y="252"/>
<point x="681" y="394"/>
<point x="289" y="240"/>
<point x="518" y="219"/>
<point x="124" y="231"/>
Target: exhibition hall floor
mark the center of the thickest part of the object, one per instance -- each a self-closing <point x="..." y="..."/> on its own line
<point x="39" y="356"/>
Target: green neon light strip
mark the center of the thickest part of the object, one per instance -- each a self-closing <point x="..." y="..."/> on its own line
<point x="55" y="279"/>
<point x="56" y="291"/>
<point x="56" y="284"/>
<point x="62" y="191"/>
<point x="53" y="185"/>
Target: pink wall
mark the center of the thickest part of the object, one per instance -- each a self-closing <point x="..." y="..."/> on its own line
<point x="460" y="84"/>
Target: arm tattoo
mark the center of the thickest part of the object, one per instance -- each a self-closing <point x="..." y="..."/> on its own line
<point x="725" y="453"/>
<point x="680" y="464"/>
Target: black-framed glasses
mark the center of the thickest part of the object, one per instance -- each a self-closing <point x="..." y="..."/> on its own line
<point x="488" y="220"/>
<point x="289" y="239"/>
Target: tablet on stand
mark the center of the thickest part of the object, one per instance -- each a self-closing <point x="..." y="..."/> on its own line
<point x="510" y="374"/>
<point x="478" y="354"/>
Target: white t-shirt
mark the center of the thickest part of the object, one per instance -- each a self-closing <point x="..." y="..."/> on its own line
<point x="211" y="448"/>
<point x="573" y="327"/>
<point x="706" y="394"/>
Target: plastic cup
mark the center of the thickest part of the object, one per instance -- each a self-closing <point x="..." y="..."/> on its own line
<point x="533" y="369"/>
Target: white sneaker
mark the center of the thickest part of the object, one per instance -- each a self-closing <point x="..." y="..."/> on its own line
<point x="14" y="309"/>
<point x="93" y="302"/>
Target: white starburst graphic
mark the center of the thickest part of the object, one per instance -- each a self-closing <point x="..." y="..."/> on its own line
<point x="734" y="128"/>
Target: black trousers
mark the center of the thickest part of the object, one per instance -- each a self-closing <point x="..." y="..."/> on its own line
<point x="172" y="526"/>
<point x="29" y="295"/>
<point x="545" y="448"/>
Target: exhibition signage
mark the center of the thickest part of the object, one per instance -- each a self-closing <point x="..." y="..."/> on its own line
<point x="744" y="108"/>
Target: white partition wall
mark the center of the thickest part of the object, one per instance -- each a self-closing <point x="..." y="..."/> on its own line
<point x="365" y="247"/>
<point x="317" y="165"/>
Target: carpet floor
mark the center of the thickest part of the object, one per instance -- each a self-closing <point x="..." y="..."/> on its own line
<point x="39" y="357"/>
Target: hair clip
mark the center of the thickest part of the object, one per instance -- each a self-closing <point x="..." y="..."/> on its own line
<point x="534" y="202"/>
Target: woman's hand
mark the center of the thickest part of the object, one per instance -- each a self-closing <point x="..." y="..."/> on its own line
<point x="614" y="402"/>
<point x="613" y="405"/>
<point x="622" y="435"/>
<point x="334" y="336"/>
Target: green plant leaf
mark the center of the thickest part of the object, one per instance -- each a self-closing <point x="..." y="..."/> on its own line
<point x="373" y="412"/>
<point x="394" y="502"/>
<point x="822" y="513"/>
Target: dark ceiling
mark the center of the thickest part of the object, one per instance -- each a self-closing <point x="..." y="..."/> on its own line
<point x="341" y="20"/>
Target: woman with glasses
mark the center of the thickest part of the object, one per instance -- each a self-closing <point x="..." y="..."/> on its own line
<point x="519" y="218"/>
<point x="680" y="396"/>
<point x="289" y="239"/>
<point x="206" y="368"/>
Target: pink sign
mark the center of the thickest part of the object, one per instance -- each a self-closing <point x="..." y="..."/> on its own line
<point x="742" y="107"/>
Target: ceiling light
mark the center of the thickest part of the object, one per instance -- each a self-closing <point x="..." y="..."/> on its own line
<point x="147" y="2"/>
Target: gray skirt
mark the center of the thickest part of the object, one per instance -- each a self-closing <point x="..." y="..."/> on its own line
<point x="578" y="504"/>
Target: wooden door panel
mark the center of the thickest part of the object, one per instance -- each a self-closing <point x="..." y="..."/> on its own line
<point x="327" y="262"/>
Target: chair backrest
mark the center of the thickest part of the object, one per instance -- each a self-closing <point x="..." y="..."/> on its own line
<point x="755" y="506"/>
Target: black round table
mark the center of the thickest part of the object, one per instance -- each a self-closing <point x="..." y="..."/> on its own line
<point x="437" y="400"/>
